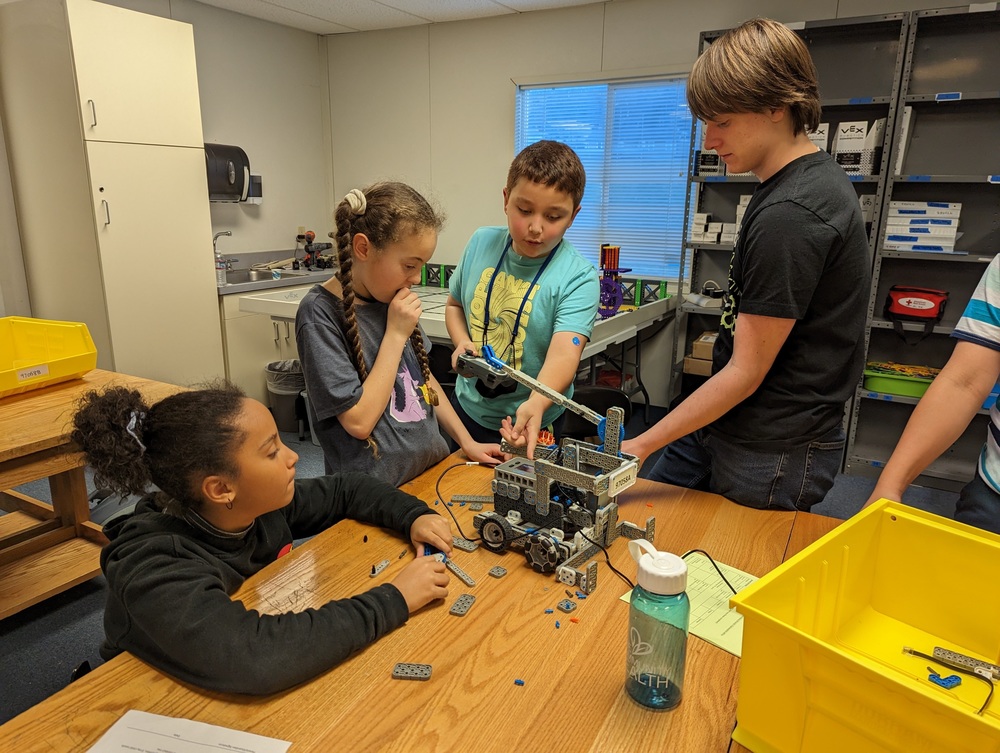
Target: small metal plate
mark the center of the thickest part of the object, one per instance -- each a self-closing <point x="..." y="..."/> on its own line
<point x="566" y="606"/>
<point x="464" y="544"/>
<point x="376" y="569"/>
<point x="459" y="573"/>
<point x="407" y="671"/>
<point x="498" y="572"/>
<point x="462" y="604"/>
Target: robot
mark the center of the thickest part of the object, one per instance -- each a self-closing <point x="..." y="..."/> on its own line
<point x="558" y="509"/>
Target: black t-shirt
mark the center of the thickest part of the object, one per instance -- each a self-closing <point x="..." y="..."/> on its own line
<point x="801" y="254"/>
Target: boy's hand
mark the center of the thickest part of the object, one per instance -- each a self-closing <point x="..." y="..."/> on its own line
<point x="465" y="348"/>
<point x="478" y="452"/>
<point x="636" y="447"/>
<point x="431" y="529"/>
<point x="524" y="431"/>
<point x="404" y="313"/>
<point x="422" y="581"/>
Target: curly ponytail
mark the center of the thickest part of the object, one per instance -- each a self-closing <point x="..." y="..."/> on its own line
<point x="173" y="444"/>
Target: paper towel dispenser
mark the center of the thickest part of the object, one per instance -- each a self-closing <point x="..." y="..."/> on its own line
<point x="228" y="172"/>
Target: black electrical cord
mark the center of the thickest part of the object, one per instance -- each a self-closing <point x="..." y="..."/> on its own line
<point x="607" y="559"/>
<point x="440" y="498"/>
<point x="702" y="551"/>
<point x="957" y="668"/>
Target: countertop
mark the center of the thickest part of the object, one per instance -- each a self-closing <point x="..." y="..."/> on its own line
<point x="309" y="278"/>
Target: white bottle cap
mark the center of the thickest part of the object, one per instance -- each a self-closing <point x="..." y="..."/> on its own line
<point x="660" y="573"/>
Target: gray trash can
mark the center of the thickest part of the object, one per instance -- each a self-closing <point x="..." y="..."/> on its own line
<point x="284" y="383"/>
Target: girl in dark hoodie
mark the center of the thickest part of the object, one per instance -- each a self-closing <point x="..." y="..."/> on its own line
<point x="228" y="504"/>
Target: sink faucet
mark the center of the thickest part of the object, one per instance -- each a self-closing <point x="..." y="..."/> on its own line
<point x="215" y="239"/>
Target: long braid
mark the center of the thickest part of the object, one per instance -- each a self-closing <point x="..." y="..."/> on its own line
<point x="417" y="341"/>
<point x="345" y="259"/>
<point x="384" y="213"/>
<point x="345" y="263"/>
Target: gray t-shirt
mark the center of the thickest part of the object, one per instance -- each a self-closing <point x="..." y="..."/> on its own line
<point x="408" y="437"/>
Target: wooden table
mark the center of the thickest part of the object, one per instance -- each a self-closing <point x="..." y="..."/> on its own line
<point x="573" y="696"/>
<point x="45" y="549"/>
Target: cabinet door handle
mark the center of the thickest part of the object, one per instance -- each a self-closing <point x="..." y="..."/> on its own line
<point x="107" y="211"/>
<point x="93" y="113"/>
<point x="287" y="332"/>
<point x="277" y="334"/>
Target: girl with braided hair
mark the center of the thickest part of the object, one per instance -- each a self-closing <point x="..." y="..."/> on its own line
<point x="375" y="402"/>
<point x="228" y="505"/>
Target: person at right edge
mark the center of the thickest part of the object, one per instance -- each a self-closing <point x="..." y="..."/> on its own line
<point x="945" y="410"/>
<point x="766" y="429"/>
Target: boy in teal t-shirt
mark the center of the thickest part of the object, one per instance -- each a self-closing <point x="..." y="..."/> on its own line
<point x="527" y="292"/>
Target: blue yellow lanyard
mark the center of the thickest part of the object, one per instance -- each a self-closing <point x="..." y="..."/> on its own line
<point x="527" y="295"/>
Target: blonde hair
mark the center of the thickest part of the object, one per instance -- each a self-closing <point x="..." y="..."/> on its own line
<point x="385" y="213"/>
<point x="760" y="65"/>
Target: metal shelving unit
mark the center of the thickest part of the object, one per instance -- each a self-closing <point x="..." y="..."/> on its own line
<point x="859" y="63"/>
<point x="951" y="82"/>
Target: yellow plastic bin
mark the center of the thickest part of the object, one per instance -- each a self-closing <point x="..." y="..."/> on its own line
<point x="823" y="667"/>
<point x="36" y="353"/>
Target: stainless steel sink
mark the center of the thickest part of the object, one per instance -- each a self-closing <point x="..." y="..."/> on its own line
<point x="237" y="276"/>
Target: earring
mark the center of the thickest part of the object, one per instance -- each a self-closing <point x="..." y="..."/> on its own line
<point x="229" y="505"/>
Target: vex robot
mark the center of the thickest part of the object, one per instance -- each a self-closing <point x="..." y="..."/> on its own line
<point x="559" y="508"/>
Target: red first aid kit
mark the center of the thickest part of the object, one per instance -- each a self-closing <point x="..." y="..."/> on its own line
<point x="911" y="304"/>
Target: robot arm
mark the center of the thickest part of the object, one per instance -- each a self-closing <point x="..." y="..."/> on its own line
<point x="493" y="372"/>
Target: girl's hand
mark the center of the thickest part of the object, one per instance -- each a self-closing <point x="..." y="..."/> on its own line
<point x="431" y="529"/>
<point x="464" y="347"/>
<point x="422" y="581"/>
<point x="404" y="313"/>
<point x="489" y="454"/>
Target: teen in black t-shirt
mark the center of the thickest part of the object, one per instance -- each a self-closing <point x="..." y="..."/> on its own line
<point x="766" y="429"/>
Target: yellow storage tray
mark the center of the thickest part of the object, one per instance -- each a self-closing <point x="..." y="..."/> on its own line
<point x="823" y="667"/>
<point x="38" y="352"/>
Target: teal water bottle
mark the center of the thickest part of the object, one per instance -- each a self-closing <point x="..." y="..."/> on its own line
<point x="658" y="621"/>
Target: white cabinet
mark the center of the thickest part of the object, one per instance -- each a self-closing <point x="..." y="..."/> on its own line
<point x="159" y="291"/>
<point x="254" y="340"/>
<point x="135" y="76"/>
<point x="114" y="220"/>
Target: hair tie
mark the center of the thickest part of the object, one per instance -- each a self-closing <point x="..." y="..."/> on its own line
<point x="134" y="423"/>
<point x="357" y="201"/>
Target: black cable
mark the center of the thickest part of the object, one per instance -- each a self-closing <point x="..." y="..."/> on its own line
<point x="440" y="498"/>
<point x="957" y="668"/>
<point x="607" y="558"/>
<point x="702" y="551"/>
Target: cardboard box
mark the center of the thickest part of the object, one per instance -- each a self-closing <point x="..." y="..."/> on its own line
<point x="697" y="366"/>
<point x="702" y="347"/>
<point x="820" y="137"/>
<point x="849" y="143"/>
<point x="708" y="162"/>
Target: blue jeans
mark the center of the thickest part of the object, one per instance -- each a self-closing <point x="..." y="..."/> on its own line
<point x="979" y="506"/>
<point x="793" y="479"/>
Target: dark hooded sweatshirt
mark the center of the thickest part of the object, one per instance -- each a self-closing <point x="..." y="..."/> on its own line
<point x="170" y="581"/>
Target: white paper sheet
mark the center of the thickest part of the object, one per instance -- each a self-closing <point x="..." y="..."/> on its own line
<point x="142" y="732"/>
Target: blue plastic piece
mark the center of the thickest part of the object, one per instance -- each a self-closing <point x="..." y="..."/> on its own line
<point x="557" y="624"/>
<point x="549" y="611"/>
<point x="491" y="357"/>
<point x="948" y="682"/>
<point x="918" y="178"/>
<point x="860" y="100"/>
<point x="519" y="682"/>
